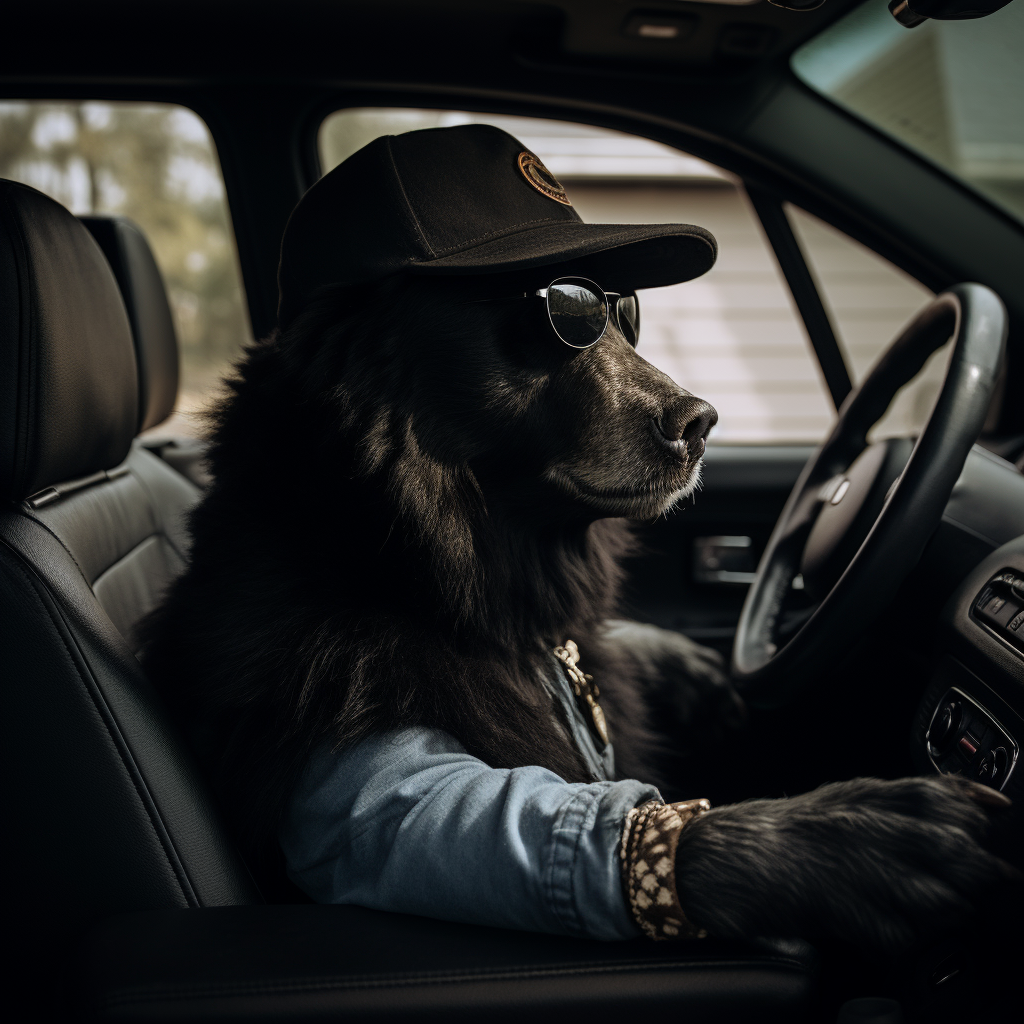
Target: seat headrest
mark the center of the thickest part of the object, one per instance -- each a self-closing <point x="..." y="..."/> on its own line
<point x="149" y="313"/>
<point x="68" y="382"/>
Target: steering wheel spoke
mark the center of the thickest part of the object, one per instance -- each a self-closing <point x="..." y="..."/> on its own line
<point x="860" y="515"/>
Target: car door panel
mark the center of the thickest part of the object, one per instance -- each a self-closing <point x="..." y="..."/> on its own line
<point x="673" y="580"/>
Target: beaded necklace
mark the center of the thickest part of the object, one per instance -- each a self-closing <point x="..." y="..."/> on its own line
<point x="584" y="688"/>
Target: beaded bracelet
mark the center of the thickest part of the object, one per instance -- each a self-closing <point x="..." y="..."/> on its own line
<point x="648" y="861"/>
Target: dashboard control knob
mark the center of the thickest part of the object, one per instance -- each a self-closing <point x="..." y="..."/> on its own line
<point x="944" y="726"/>
<point x="992" y="768"/>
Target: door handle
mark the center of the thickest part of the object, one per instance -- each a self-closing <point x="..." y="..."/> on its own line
<point x="723" y="559"/>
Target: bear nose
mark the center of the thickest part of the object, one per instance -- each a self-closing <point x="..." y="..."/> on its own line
<point x="687" y="421"/>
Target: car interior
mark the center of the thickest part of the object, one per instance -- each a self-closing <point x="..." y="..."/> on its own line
<point x="870" y="591"/>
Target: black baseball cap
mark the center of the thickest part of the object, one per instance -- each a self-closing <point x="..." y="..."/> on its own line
<point x="465" y="200"/>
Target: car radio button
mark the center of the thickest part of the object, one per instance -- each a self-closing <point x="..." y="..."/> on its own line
<point x="967" y="746"/>
<point x="992" y="767"/>
<point x="945" y="726"/>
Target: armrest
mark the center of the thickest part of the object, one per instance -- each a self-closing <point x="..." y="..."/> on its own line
<point x="304" y="962"/>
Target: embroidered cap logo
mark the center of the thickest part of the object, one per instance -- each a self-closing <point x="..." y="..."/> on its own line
<point x="541" y="178"/>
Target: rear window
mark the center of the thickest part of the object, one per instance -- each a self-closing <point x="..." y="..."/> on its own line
<point x="953" y="91"/>
<point x="156" y="164"/>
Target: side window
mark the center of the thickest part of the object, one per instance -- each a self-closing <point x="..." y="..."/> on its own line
<point x="156" y="164"/>
<point x="732" y="336"/>
<point x="869" y="301"/>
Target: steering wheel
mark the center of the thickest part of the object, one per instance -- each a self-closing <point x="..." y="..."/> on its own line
<point x="859" y="516"/>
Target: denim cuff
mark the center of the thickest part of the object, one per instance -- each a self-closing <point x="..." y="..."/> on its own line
<point x="584" y="878"/>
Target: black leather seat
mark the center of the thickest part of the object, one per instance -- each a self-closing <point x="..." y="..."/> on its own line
<point x="156" y="341"/>
<point x="108" y="811"/>
<point x="350" y="964"/>
<point x="123" y="889"/>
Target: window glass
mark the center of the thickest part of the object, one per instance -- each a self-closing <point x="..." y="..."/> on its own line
<point x="155" y="164"/>
<point x="732" y="336"/>
<point x="869" y="301"/>
<point x="951" y="90"/>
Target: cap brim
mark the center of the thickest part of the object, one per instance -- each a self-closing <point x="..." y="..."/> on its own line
<point x="621" y="256"/>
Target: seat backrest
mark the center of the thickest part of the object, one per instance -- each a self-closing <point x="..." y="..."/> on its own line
<point x="108" y="810"/>
<point x="156" y="341"/>
<point x="149" y="313"/>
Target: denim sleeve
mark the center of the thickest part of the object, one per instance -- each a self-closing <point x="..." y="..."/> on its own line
<point x="408" y="821"/>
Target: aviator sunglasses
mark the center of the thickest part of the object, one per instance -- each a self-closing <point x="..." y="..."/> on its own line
<point x="579" y="311"/>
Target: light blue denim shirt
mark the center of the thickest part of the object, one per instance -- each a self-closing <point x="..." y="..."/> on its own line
<point x="408" y="821"/>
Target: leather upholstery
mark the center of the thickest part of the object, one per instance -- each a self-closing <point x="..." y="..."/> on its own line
<point x="68" y="391"/>
<point x="149" y="313"/>
<point x="156" y="342"/>
<point x="108" y="809"/>
<point x="346" y="963"/>
<point x="127" y="533"/>
<point x="102" y="800"/>
<point x="187" y="455"/>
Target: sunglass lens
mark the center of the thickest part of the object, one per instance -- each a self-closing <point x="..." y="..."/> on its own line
<point x="578" y="314"/>
<point x="628" y="311"/>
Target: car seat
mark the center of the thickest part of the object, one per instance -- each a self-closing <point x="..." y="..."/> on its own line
<point x="125" y="896"/>
<point x="156" y="341"/>
<point x="106" y="808"/>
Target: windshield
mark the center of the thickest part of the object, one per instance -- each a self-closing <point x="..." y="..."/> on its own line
<point x="951" y="90"/>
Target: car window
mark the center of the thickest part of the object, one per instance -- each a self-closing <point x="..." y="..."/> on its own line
<point x="156" y="164"/>
<point x="869" y="301"/>
<point x="951" y="90"/>
<point x="733" y="336"/>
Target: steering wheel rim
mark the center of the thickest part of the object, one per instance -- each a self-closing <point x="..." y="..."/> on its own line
<point x="769" y="675"/>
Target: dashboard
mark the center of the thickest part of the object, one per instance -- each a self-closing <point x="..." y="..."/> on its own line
<point x="970" y="720"/>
